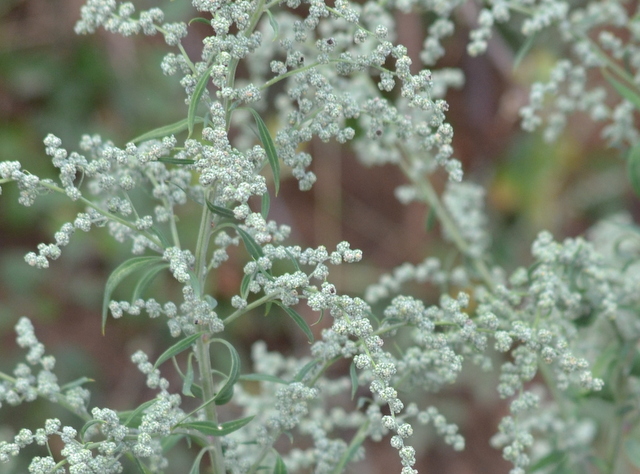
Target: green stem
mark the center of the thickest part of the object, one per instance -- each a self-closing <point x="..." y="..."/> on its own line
<point x="208" y="390"/>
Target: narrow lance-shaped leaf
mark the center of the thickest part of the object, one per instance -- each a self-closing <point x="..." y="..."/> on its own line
<point x="302" y="324"/>
<point x="167" y="130"/>
<point x="354" y="379"/>
<point x="133" y="418"/>
<point x="120" y="273"/>
<point x="263" y="378"/>
<point x="187" y="381"/>
<point x="146" y="279"/>
<point x="252" y="246"/>
<point x="269" y="148"/>
<point x="244" y="285"/>
<point x="626" y="92"/>
<point x="177" y="348"/>
<point x="226" y="392"/>
<point x="195" y="468"/>
<point x="175" y="161"/>
<point x="305" y="370"/>
<point x="266" y="202"/>
<point x="201" y="85"/>
<point x="274" y="24"/>
<point x="633" y="167"/>
<point x="214" y="429"/>
<point x="221" y="211"/>
<point x="280" y="467"/>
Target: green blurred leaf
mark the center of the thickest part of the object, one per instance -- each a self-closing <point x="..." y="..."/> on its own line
<point x="354" y="379"/>
<point x="175" y="161"/>
<point x="180" y="346"/>
<point x="274" y="24"/>
<point x="269" y="147"/>
<point x="302" y="324"/>
<point x="167" y="130"/>
<point x="244" y="286"/>
<point x="280" y="467"/>
<point x="225" y="394"/>
<point x="201" y="85"/>
<point x="251" y="245"/>
<point x="305" y="370"/>
<point x="633" y="167"/>
<point x="200" y="20"/>
<point x="146" y="279"/>
<point x="214" y="429"/>
<point x="133" y="418"/>
<point x="221" y="211"/>
<point x="120" y="273"/>
<point x="263" y="378"/>
<point x="553" y="458"/>
<point x="632" y="449"/>
<point x="187" y="381"/>
<point x="626" y="92"/>
<point x="264" y="208"/>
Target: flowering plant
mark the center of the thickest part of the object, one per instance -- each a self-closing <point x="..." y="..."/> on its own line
<point x="270" y="78"/>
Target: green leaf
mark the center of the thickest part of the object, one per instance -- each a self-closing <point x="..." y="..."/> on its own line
<point x="197" y="391"/>
<point x="553" y="458"/>
<point x="187" y="381"/>
<point x="177" y="348"/>
<point x="302" y="324"/>
<point x="201" y="85"/>
<point x="251" y="245"/>
<point x="305" y="370"/>
<point x="168" y="442"/>
<point x="134" y="417"/>
<point x="221" y="211"/>
<point x="225" y="394"/>
<point x="146" y="279"/>
<point x="163" y="240"/>
<point x="432" y="218"/>
<point x="293" y="260"/>
<point x="87" y="425"/>
<point x="263" y="378"/>
<point x="120" y="273"/>
<point x="274" y="24"/>
<point x="210" y="428"/>
<point x="626" y="92"/>
<point x="75" y="383"/>
<point x="244" y="285"/>
<point x="280" y="467"/>
<point x="143" y="469"/>
<point x="269" y="148"/>
<point x="632" y="448"/>
<point x="354" y="379"/>
<point x="633" y="167"/>
<point x="175" y="161"/>
<point x="199" y="19"/>
<point x="264" y="208"/>
<point x="195" y="467"/>
<point x="167" y="130"/>
<point x="522" y="52"/>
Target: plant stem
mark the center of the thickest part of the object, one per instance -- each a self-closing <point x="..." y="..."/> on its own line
<point x="208" y="389"/>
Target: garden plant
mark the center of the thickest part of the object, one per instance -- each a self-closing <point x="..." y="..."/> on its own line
<point x="558" y="333"/>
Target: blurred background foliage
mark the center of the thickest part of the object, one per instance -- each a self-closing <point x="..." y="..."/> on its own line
<point x="52" y="81"/>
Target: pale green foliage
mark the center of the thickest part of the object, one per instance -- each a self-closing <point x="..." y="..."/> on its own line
<point x="336" y="68"/>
